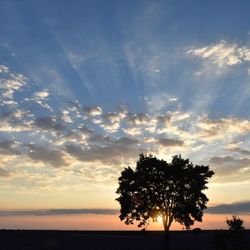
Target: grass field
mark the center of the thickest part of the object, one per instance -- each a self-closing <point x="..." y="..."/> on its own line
<point x="121" y="240"/>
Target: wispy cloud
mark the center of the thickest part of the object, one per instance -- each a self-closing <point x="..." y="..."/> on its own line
<point x="219" y="55"/>
<point x="223" y="53"/>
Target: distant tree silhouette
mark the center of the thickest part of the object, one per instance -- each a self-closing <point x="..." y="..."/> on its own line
<point x="235" y="223"/>
<point x="156" y="188"/>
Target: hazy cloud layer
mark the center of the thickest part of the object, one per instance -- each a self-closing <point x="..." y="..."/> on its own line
<point x="51" y="212"/>
<point x="233" y="208"/>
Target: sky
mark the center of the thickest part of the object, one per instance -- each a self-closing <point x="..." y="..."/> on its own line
<point x="86" y="86"/>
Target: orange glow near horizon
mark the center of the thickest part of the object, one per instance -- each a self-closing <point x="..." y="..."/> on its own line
<point x="102" y="222"/>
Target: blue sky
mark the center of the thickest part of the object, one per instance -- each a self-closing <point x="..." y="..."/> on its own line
<point x="87" y="86"/>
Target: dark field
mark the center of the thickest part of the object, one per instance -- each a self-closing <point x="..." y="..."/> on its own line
<point x="121" y="240"/>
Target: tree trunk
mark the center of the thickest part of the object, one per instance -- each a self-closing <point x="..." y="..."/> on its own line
<point x="166" y="245"/>
<point x="166" y="240"/>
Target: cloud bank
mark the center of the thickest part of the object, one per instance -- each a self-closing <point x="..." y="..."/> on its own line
<point x="51" y="212"/>
<point x="233" y="208"/>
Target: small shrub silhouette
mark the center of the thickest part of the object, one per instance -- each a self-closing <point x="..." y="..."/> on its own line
<point x="235" y="223"/>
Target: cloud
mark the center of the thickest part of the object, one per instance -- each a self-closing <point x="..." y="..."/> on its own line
<point x="86" y="130"/>
<point x="111" y="121"/>
<point x="138" y="119"/>
<point x="220" y="56"/>
<point x="9" y="86"/>
<point x="48" y="123"/>
<point x="47" y="155"/>
<point x="93" y="111"/>
<point x="65" y="116"/>
<point x="235" y="148"/>
<point x="111" y="128"/>
<point x="213" y="129"/>
<point x="42" y="94"/>
<point x="160" y="101"/>
<point x="96" y="143"/>
<point x="15" y="121"/>
<point x="114" y="117"/>
<point x="229" y="169"/>
<point x="105" y="150"/>
<point x="4" y="69"/>
<point x="232" y="208"/>
<point x="62" y="211"/>
<point x="9" y="148"/>
<point x="40" y="98"/>
<point x="167" y="142"/>
<point x="164" y="119"/>
<point x="222" y="53"/>
<point x="4" y="173"/>
<point x="134" y="131"/>
<point x="8" y="127"/>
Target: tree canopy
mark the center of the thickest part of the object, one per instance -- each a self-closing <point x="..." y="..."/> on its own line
<point x="157" y="188"/>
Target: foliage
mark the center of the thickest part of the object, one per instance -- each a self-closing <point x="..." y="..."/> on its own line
<point x="235" y="223"/>
<point x="157" y="188"/>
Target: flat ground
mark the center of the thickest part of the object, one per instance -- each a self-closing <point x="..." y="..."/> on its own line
<point x="122" y="240"/>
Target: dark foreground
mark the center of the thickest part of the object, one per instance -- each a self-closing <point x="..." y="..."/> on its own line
<point x="122" y="240"/>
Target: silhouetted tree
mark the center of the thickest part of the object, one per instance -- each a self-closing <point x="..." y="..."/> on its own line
<point x="235" y="223"/>
<point x="156" y="188"/>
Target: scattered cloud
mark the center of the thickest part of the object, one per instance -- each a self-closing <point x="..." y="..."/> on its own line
<point x="95" y="144"/>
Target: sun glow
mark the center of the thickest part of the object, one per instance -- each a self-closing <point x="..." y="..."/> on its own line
<point x="159" y="219"/>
